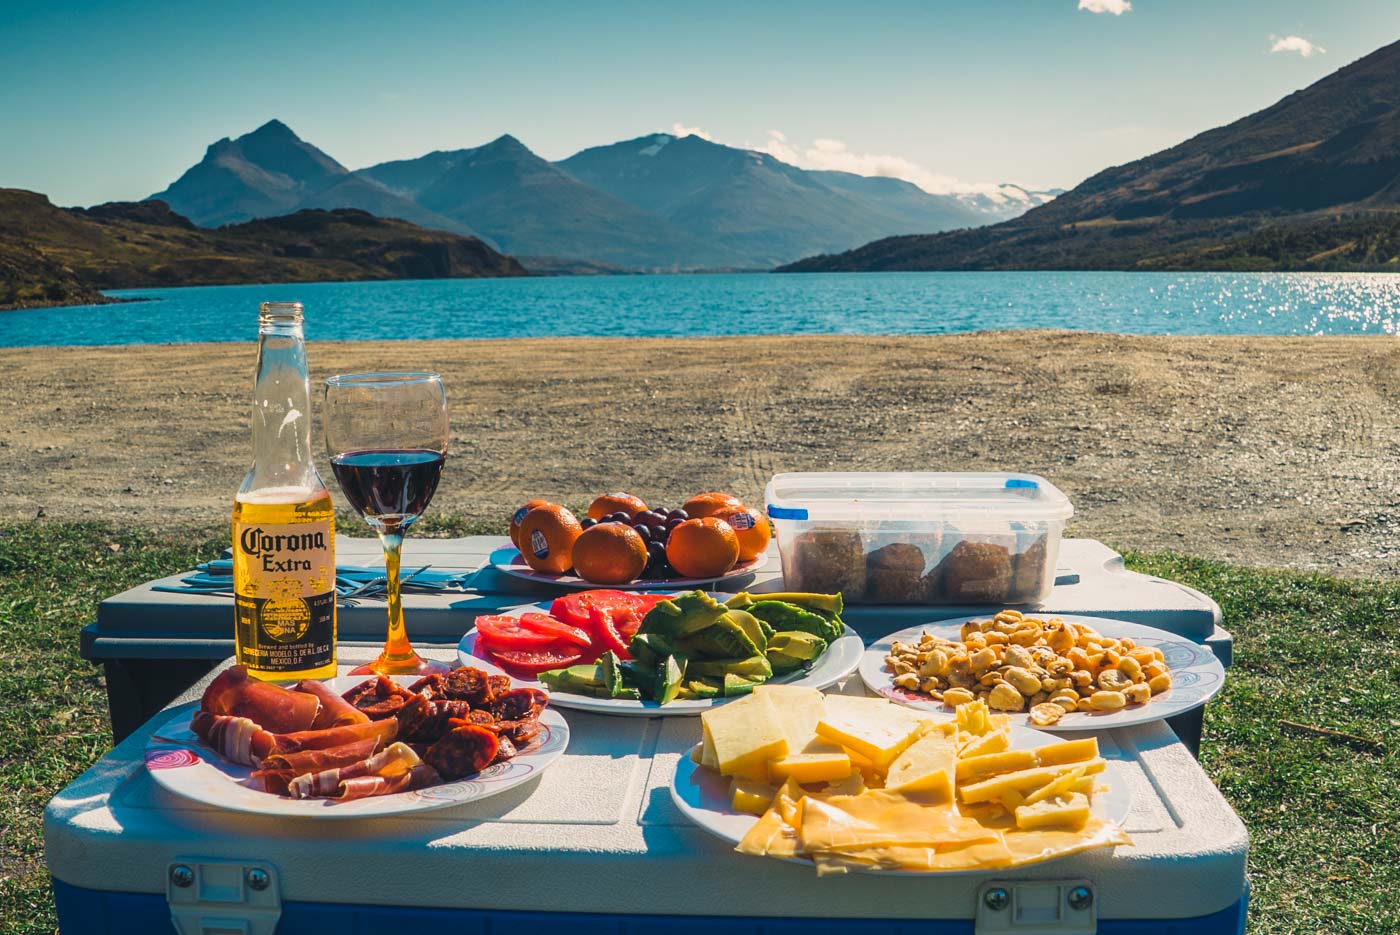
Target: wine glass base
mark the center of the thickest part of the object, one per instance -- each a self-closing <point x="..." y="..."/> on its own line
<point x="414" y="666"/>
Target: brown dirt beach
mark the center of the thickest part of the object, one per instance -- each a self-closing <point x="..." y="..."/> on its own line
<point x="1262" y="450"/>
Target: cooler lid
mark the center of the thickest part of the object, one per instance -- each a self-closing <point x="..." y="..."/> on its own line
<point x="916" y="495"/>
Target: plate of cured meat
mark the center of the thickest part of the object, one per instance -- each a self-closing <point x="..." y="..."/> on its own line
<point x="355" y="746"/>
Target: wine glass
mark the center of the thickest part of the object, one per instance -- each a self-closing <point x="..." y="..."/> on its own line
<point x="386" y="434"/>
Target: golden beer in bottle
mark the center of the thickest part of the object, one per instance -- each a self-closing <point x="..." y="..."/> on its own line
<point x="283" y="521"/>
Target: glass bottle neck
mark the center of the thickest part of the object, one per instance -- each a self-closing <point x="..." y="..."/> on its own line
<point x="282" y="409"/>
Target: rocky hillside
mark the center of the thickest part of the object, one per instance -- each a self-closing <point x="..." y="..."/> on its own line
<point x="62" y="256"/>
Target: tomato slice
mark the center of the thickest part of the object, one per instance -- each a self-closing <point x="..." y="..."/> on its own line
<point x="555" y="655"/>
<point x="606" y="635"/>
<point x="558" y="629"/>
<point x="499" y="632"/>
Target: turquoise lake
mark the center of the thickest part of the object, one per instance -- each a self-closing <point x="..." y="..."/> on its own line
<point x="671" y="305"/>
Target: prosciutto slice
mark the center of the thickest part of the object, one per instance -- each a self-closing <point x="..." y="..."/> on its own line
<point x="361" y="787"/>
<point x="393" y="760"/>
<point x="313" y="761"/>
<point x="236" y="738"/>
<point x="236" y="694"/>
<point x="381" y="731"/>
<point x="335" y="710"/>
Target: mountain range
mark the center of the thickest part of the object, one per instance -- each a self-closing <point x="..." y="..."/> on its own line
<point x="1312" y="182"/>
<point x="51" y="255"/>
<point x="657" y="202"/>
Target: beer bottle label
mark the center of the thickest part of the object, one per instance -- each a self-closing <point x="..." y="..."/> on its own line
<point x="284" y="594"/>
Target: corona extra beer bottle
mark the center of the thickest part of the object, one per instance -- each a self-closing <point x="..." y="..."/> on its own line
<point x="283" y="521"/>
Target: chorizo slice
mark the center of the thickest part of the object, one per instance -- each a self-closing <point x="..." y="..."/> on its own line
<point x="519" y="704"/>
<point x="463" y="751"/>
<point x="468" y="684"/>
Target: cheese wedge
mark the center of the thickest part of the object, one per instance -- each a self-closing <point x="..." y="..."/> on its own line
<point x="1022" y="781"/>
<point x="797" y="708"/>
<point x="1062" y="786"/>
<point x="1069" y="751"/>
<point x="873" y="727"/>
<point x="790" y="802"/>
<point x="1071" y="813"/>
<point x="853" y="784"/>
<point x="863" y="765"/>
<point x="745" y="733"/>
<point x="755" y="798"/>
<point x="926" y="766"/>
<point x="818" y="761"/>
<point x="976" y="768"/>
<point x="707" y="748"/>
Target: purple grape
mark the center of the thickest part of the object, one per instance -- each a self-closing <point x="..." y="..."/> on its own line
<point x="643" y="531"/>
<point x="673" y="522"/>
<point x="678" y="514"/>
<point x="588" y="522"/>
<point x="659" y="532"/>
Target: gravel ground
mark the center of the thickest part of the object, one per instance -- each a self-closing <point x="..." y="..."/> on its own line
<point x="1267" y="451"/>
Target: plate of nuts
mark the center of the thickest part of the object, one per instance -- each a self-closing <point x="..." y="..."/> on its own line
<point x="1055" y="672"/>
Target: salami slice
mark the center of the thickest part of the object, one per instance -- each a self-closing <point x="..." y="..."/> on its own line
<point x="462" y="751"/>
<point x="468" y="684"/>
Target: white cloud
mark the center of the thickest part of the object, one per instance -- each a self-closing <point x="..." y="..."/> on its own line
<point x="1295" y="44"/>
<point x="1116" y="7"/>
<point x="679" y="129"/>
<point x="836" y="155"/>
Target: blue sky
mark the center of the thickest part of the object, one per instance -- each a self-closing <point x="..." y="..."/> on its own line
<point x="107" y="101"/>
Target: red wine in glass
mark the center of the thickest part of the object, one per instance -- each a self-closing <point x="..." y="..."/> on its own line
<point x="393" y="484"/>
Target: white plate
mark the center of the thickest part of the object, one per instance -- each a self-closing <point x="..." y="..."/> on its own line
<point x="702" y="795"/>
<point x="1196" y="674"/>
<point x="839" y="661"/>
<point x="508" y="562"/>
<point x="182" y="763"/>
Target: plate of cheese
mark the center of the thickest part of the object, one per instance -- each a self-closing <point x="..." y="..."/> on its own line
<point x="857" y="784"/>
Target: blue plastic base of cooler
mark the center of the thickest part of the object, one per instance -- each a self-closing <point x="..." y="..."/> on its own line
<point x="97" y="912"/>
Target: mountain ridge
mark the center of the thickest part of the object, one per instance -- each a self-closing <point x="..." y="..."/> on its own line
<point x="1287" y="172"/>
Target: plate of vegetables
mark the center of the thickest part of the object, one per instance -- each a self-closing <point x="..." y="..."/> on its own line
<point x="646" y="654"/>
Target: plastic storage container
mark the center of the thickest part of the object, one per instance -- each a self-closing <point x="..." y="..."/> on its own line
<point x="919" y="538"/>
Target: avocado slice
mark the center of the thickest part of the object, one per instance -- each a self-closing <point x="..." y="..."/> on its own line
<point x="790" y="649"/>
<point x="757" y="630"/>
<point x="726" y="639"/>
<point x="649" y="648"/>
<point x="784" y="616"/>
<point x="670" y="676"/>
<point x="740" y="601"/>
<point x="610" y="674"/>
<point x="704" y="687"/>
<point x="749" y="667"/>
<point x="578" y="680"/>
<point x="736" y="685"/>
<point x="638" y="676"/>
<point x="686" y="613"/>
<point x="828" y="605"/>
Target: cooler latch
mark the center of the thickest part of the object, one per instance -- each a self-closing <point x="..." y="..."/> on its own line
<point x="1037" y="907"/>
<point x="222" y="897"/>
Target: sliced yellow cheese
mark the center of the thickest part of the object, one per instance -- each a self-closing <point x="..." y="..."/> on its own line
<point x="1062" y="786"/>
<point x="993" y="742"/>
<point x="1022" y="781"/>
<point x="798" y="709"/>
<point x="879" y="817"/>
<point x="976" y="768"/>
<point x="790" y="801"/>
<point x="1069" y="751"/>
<point x="818" y="761"/>
<point x="746" y="734"/>
<point x="873" y="727"/>
<point x="771" y="836"/>
<point x="926" y="766"/>
<point x="1071" y="813"/>
<point x="745" y="795"/>
<point x="707" y="748"/>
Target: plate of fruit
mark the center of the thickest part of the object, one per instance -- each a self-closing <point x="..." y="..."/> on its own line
<point x="622" y="543"/>
<point x="634" y="653"/>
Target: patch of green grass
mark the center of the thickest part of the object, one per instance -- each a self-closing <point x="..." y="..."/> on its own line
<point x="1325" y="855"/>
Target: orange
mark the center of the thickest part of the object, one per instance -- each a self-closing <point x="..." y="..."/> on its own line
<point x="548" y="534"/>
<point x="708" y="504"/>
<point x="615" y="503"/>
<point x="609" y="553"/>
<point x="518" y="515"/>
<point x="752" y="529"/>
<point x="702" y="548"/>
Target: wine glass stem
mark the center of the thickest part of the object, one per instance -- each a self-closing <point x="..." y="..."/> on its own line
<point x="396" y="645"/>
